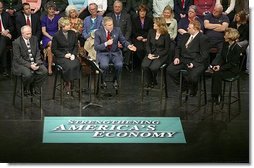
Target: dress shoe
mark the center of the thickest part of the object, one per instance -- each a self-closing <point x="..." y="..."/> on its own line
<point x="5" y="74"/>
<point x="104" y="85"/>
<point x="27" y="93"/>
<point x="193" y="92"/>
<point x="115" y="85"/>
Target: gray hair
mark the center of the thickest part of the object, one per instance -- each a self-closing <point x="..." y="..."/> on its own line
<point x="69" y="8"/>
<point x="118" y="2"/>
<point x="92" y="4"/>
<point x="25" y="27"/>
<point x="106" y="19"/>
<point x="194" y="7"/>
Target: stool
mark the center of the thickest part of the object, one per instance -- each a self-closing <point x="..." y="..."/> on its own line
<point x="59" y="86"/>
<point x="20" y="94"/>
<point x="231" y="81"/>
<point x="163" y="83"/>
<point x="201" y="91"/>
<point x="107" y="79"/>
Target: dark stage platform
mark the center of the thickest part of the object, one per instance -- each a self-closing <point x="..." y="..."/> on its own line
<point x="209" y="140"/>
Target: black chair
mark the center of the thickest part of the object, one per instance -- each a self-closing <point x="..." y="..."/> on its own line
<point x="20" y="93"/>
<point x="60" y="85"/>
<point x="231" y="81"/>
<point x="163" y="83"/>
<point x="201" y="89"/>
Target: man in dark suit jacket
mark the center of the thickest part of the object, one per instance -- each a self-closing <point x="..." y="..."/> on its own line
<point x="6" y="30"/>
<point x="106" y="45"/>
<point x="123" y="20"/>
<point x="192" y="54"/>
<point x="25" y="17"/>
<point x="180" y="9"/>
<point x="27" y="61"/>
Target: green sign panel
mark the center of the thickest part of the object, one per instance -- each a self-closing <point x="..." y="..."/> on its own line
<point x="113" y="130"/>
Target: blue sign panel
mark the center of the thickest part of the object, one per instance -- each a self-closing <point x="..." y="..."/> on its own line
<point x="113" y="130"/>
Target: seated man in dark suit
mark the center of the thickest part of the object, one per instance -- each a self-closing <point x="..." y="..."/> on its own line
<point x="27" y="18"/>
<point x="106" y="45"/>
<point x="27" y="61"/>
<point x="6" y="30"/>
<point x="192" y="54"/>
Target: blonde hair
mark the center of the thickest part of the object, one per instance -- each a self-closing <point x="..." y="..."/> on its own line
<point x="168" y="8"/>
<point x="63" y="21"/>
<point x="70" y="8"/>
<point x="161" y="23"/>
<point x="232" y="34"/>
<point x="106" y="19"/>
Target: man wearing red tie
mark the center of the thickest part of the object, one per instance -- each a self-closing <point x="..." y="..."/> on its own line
<point x="107" y="50"/>
<point x="6" y="29"/>
<point x="27" y="18"/>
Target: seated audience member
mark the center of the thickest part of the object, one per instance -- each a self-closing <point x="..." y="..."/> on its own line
<point x="159" y="5"/>
<point x="126" y="5"/>
<point x="205" y="7"/>
<point x="181" y="8"/>
<point x="102" y="6"/>
<point x="60" y="6"/>
<point x="141" y="24"/>
<point x="172" y="29"/>
<point x="6" y="30"/>
<point x="215" y="25"/>
<point x="81" y="6"/>
<point x="240" y="23"/>
<point x="226" y="64"/>
<point x="107" y="49"/>
<point x="65" y="49"/>
<point x="134" y="7"/>
<point x="192" y="54"/>
<point x="27" y="18"/>
<point x="157" y="48"/>
<point x="49" y="24"/>
<point x="92" y="22"/>
<point x="35" y="5"/>
<point x="12" y="7"/>
<point x="184" y="22"/>
<point x="76" y="24"/>
<point x="27" y="61"/>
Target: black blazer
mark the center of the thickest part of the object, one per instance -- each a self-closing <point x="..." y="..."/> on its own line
<point x="125" y="23"/>
<point x="197" y="52"/>
<point x="243" y="30"/>
<point x="158" y="47"/>
<point x="229" y="58"/>
<point x="137" y="28"/>
<point x="12" y="4"/>
<point x="62" y="46"/>
<point x="20" y="53"/>
<point x="20" y="21"/>
<point x="7" y="22"/>
<point x="179" y="9"/>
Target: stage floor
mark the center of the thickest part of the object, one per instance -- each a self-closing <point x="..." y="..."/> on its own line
<point x="209" y="140"/>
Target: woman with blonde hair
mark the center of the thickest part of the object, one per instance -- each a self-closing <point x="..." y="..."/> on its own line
<point x="226" y="64"/>
<point x="65" y="49"/>
<point x="157" y="47"/>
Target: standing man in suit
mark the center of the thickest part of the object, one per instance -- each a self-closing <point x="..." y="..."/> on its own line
<point x="27" y="18"/>
<point x="27" y="61"/>
<point x="106" y="45"/>
<point x="122" y="20"/>
<point x="192" y="54"/>
<point x="6" y="30"/>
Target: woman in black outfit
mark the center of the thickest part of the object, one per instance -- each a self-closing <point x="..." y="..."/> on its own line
<point x="141" y="24"/>
<point x="157" y="48"/>
<point x="65" y="49"/>
<point x="226" y="64"/>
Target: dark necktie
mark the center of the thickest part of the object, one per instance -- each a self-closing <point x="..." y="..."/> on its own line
<point x="118" y="19"/>
<point x="28" y="21"/>
<point x="108" y="38"/>
<point x="0" y="25"/>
